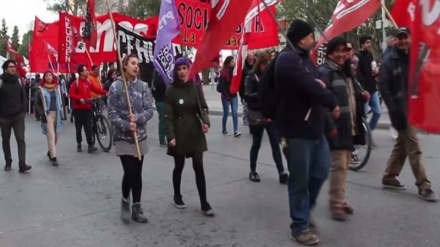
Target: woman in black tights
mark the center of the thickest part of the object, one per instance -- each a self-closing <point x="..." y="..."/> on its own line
<point x="125" y="125"/>
<point x="186" y="122"/>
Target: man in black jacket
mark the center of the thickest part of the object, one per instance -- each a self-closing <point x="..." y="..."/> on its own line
<point x="394" y="90"/>
<point x="158" y="90"/>
<point x="301" y="108"/>
<point x="366" y="73"/>
<point x="12" y="114"/>
<point x="347" y="131"/>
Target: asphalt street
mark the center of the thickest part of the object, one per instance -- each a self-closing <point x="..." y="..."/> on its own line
<point x="77" y="204"/>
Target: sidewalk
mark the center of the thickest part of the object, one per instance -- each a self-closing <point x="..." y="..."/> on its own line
<point x="215" y="107"/>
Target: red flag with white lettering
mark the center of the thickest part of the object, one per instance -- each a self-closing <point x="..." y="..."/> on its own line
<point x="347" y="16"/>
<point x="224" y="19"/>
<point x="403" y="12"/>
<point x="424" y="88"/>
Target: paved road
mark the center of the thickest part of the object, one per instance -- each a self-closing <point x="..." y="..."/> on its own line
<point x="77" y="203"/>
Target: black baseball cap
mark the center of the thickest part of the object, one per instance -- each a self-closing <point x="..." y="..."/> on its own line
<point x="403" y="30"/>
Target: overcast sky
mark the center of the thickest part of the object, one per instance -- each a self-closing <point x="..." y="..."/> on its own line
<point x="22" y="13"/>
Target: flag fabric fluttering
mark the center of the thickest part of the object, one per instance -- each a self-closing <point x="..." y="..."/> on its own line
<point x="224" y="19"/>
<point x="19" y="61"/>
<point x="347" y="16"/>
<point x="168" y="29"/>
<point x="403" y="12"/>
<point x="424" y="89"/>
<point x="90" y="32"/>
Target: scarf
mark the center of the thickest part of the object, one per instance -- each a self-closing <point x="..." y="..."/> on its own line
<point x="49" y="86"/>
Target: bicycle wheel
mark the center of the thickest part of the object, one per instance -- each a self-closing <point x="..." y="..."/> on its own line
<point x="104" y="133"/>
<point x="361" y="153"/>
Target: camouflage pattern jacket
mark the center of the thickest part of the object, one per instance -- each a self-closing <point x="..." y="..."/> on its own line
<point x="118" y="110"/>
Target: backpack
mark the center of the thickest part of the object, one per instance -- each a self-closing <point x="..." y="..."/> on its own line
<point x="267" y="92"/>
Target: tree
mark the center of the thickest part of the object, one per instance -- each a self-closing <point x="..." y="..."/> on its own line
<point x="74" y="7"/>
<point x="15" y="39"/>
<point x="319" y="13"/>
<point x="27" y="38"/>
<point x="143" y="8"/>
<point x="3" y="36"/>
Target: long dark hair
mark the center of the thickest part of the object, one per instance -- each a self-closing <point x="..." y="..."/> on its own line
<point x="262" y="58"/>
<point x="226" y="70"/>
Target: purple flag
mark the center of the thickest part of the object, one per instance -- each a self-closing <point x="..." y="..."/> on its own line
<point x="168" y="30"/>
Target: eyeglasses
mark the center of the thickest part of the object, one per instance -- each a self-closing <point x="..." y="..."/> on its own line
<point x="11" y="67"/>
<point x="349" y="49"/>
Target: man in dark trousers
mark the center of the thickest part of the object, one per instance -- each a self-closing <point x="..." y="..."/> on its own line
<point x="158" y="90"/>
<point x="394" y="90"/>
<point x="366" y="73"/>
<point x="13" y="105"/>
<point x="81" y="95"/>
<point x="303" y="102"/>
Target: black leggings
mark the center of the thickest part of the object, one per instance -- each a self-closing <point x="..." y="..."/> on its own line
<point x="132" y="179"/>
<point x="179" y="163"/>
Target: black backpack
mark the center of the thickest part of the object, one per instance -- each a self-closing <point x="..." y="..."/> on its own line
<point x="268" y="93"/>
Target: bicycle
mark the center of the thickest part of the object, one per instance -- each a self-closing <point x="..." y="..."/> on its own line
<point x="357" y="163"/>
<point x="101" y="127"/>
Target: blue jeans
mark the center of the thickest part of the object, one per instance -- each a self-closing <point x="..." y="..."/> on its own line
<point x="257" y="137"/>
<point x="234" y="106"/>
<point x="309" y="163"/>
<point x="374" y="104"/>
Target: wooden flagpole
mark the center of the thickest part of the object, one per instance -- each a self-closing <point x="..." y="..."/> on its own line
<point x="389" y="15"/>
<point x="136" y="141"/>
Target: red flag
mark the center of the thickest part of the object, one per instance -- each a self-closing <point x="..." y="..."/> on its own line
<point x="224" y="19"/>
<point x="424" y="88"/>
<point x="90" y="32"/>
<point x="19" y="61"/>
<point x="347" y="16"/>
<point x="44" y="33"/>
<point x="403" y="12"/>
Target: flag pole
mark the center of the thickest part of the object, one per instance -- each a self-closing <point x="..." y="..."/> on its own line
<point x="135" y="137"/>
<point x="384" y="8"/>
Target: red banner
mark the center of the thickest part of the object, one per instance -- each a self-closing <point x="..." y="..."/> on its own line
<point x="90" y="32"/>
<point x="193" y="20"/>
<point x="347" y="16"/>
<point x="425" y="61"/>
<point x="44" y="33"/>
<point x="73" y="51"/>
<point x="225" y="17"/>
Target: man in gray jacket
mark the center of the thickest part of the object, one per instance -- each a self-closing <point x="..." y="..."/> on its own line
<point x="12" y="114"/>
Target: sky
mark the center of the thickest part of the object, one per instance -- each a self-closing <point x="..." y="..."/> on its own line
<point x="22" y="13"/>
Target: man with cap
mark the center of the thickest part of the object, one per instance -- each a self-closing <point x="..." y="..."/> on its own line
<point x="347" y="131"/>
<point x="302" y="104"/>
<point x="394" y="90"/>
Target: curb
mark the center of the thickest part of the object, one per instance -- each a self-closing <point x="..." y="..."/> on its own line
<point x="380" y="125"/>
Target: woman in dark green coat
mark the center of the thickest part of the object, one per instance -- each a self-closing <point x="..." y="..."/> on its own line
<point x="186" y="123"/>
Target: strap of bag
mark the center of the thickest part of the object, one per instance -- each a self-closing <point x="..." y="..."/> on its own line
<point x="198" y="100"/>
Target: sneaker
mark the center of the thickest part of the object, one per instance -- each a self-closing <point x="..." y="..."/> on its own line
<point x="339" y="214"/>
<point x="284" y="178"/>
<point x="92" y="149"/>
<point x="137" y="213"/>
<point x="178" y="202"/>
<point x="24" y="168"/>
<point x="254" y="177"/>
<point x="7" y="167"/>
<point x="305" y="238"/>
<point x="207" y="210"/>
<point x="79" y="148"/>
<point x="237" y="134"/>
<point x="348" y="208"/>
<point x="393" y="184"/>
<point x="163" y="144"/>
<point x="226" y="133"/>
<point x="125" y="210"/>
<point x="428" y="195"/>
